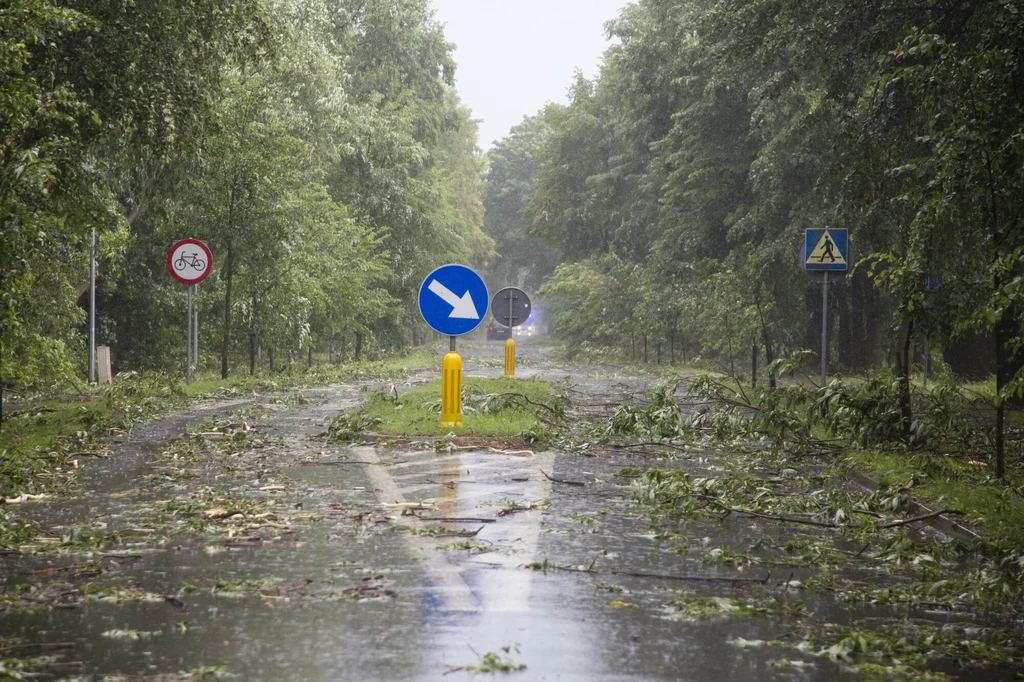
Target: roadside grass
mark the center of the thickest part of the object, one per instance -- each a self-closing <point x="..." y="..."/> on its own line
<point x="946" y="463"/>
<point x="207" y="384"/>
<point x="490" y="408"/>
<point x="41" y="436"/>
<point x="947" y="482"/>
<point x="36" y="441"/>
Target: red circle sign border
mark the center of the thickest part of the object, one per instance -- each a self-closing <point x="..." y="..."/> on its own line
<point x="194" y="242"/>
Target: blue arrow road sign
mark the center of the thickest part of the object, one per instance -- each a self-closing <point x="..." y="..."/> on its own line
<point x="453" y="300"/>
<point x="826" y="250"/>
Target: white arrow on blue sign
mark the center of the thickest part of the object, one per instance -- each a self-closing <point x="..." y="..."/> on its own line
<point x="453" y="300"/>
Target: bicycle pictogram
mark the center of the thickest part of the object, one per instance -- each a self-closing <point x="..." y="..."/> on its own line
<point x="194" y="261"/>
<point x="189" y="261"/>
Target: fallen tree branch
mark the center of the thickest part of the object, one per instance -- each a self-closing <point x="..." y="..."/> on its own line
<point x="24" y="497"/>
<point x="454" y="519"/>
<point x="56" y="645"/>
<point x="511" y="452"/>
<point x="926" y="517"/>
<point x="693" y="578"/>
<point x="561" y="480"/>
<point x="339" y="463"/>
<point x="660" y="576"/>
<point x="778" y="517"/>
<point x="663" y="444"/>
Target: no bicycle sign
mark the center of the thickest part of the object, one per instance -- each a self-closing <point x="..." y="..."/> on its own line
<point x="190" y="261"/>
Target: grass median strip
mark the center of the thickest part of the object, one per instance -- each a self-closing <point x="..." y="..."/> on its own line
<point x="500" y="408"/>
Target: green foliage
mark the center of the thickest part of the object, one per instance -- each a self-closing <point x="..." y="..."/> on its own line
<point x="661" y="419"/>
<point x="860" y="413"/>
<point x="319" y="149"/>
<point x="707" y="608"/>
<point x="677" y="185"/>
<point x="492" y="662"/>
<point x="914" y="644"/>
<point x="501" y="408"/>
<point x="509" y="187"/>
<point x="350" y="425"/>
<point x="88" y="82"/>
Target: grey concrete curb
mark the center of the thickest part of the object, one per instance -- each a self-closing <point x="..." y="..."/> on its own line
<point x="939" y="523"/>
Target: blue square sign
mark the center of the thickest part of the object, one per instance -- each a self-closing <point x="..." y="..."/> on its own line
<point x="826" y="250"/>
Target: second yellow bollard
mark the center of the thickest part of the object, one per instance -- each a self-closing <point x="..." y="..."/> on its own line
<point x="451" y="391"/>
<point x="510" y="359"/>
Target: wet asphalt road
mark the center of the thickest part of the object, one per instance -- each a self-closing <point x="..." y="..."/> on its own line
<point x="337" y="592"/>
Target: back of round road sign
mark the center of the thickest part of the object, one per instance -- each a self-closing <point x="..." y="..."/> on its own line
<point x="511" y="307"/>
<point x="190" y="261"/>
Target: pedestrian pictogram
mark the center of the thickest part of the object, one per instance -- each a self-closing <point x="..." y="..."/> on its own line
<point x="826" y="250"/>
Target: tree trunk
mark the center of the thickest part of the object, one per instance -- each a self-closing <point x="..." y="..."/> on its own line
<point x="359" y="345"/>
<point x="846" y="336"/>
<point x="270" y="358"/>
<point x="252" y="353"/>
<point x="1000" y="416"/>
<point x="728" y="333"/>
<point x="903" y="361"/>
<point x="753" y="366"/>
<point x="645" y="349"/>
<point x="228" y="273"/>
<point x="309" y="355"/>
<point x="999" y="331"/>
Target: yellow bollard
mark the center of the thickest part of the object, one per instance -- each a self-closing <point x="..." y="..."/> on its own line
<point x="510" y="359"/>
<point x="451" y="390"/>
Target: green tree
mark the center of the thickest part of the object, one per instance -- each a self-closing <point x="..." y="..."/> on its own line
<point x="511" y="182"/>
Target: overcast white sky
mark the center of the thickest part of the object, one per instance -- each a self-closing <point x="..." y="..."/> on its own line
<point x="514" y="56"/>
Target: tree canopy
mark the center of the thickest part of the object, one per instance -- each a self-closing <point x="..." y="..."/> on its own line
<point x="319" y="148"/>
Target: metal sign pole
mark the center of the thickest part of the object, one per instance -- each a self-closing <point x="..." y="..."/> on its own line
<point x="824" y="328"/>
<point x="826" y="250"/>
<point x="195" y="327"/>
<point x="190" y="261"/>
<point x="92" y="309"/>
<point x="188" y="344"/>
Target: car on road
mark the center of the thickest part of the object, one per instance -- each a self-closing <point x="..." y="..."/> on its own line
<point x="528" y="329"/>
<point x="497" y="332"/>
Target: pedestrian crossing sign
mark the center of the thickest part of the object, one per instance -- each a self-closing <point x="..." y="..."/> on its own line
<point x="826" y="250"/>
